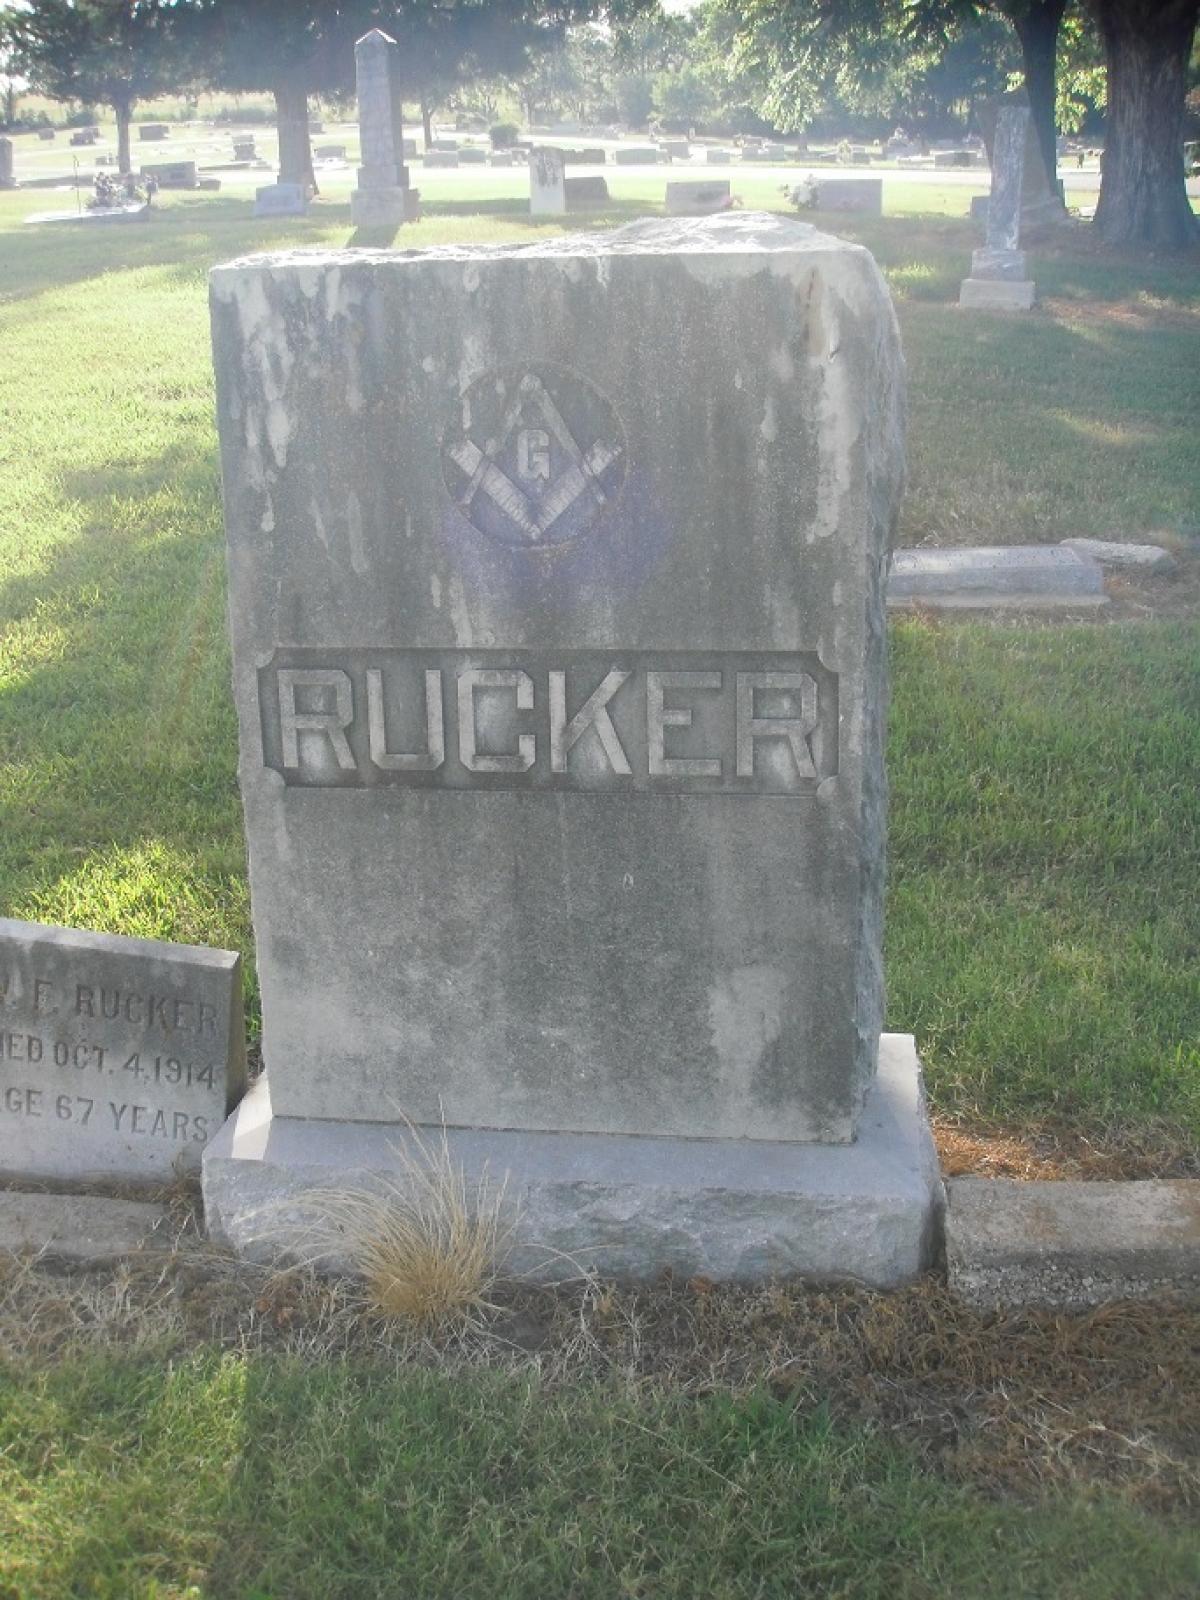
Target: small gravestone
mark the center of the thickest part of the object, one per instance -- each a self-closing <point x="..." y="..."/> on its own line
<point x="561" y="687"/>
<point x="330" y="152"/>
<point x="677" y="149"/>
<point x="998" y="280"/>
<point x="46" y="135"/>
<point x="472" y="155"/>
<point x="861" y="196"/>
<point x="281" y="200"/>
<point x="717" y="158"/>
<point x="699" y="198"/>
<point x="245" y="150"/>
<point x="172" y="174"/>
<point x="547" y="183"/>
<point x="119" y="1058"/>
<point x="383" y="197"/>
<point x="552" y="193"/>
<point x="440" y="158"/>
<point x="633" y="155"/>
<point x="85" y="136"/>
<point x="7" y="181"/>
<point x="153" y="131"/>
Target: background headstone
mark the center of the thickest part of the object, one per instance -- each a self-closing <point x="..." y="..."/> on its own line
<point x="383" y="196"/>
<point x="699" y="198"/>
<point x="7" y="181"/>
<point x="1041" y="200"/>
<point x="547" y="183"/>
<point x="998" y="278"/>
<point x="281" y="200"/>
<point x="119" y="1058"/>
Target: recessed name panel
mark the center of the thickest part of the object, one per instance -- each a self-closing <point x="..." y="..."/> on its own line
<point x="674" y="722"/>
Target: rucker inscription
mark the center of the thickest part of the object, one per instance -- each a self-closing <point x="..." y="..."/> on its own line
<point x="681" y="722"/>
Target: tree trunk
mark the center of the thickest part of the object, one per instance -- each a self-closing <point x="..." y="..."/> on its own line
<point x="124" y="115"/>
<point x="295" y="147"/>
<point x="1037" y="28"/>
<point x="427" y="122"/>
<point x="1143" y="198"/>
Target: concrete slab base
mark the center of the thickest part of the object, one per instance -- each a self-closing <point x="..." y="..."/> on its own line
<point x="989" y="575"/>
<point x="79" y="1229"/>
<point x="624" y="1206"/>
<point x="1067" y="1246"/>
<point x="996" y="294"/>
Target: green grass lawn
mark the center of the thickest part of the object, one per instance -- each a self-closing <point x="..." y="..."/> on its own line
<point x="265" y="1478"/>
<point x="1042" y="942"/>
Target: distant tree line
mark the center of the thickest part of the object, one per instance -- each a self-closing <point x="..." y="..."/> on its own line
<point x="726" y="66"/>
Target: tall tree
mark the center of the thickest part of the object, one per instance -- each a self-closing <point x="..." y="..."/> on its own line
<point x="289" y="49"/>
<point x="864" y="48"/>
<point x="1143" y="197"/>
<point x="103" y="52"/>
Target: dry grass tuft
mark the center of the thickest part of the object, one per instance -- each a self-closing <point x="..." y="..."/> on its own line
<point x="427" y="1244"/>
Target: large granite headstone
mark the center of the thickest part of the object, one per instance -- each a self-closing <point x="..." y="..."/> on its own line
<point x="557" y="598"/>
<point x="383" y="196"/>
<point x="119" y="1058"/>
<point x="998" y="278"/>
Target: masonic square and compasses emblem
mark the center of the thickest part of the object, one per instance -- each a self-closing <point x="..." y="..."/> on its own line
<point x="537" y="454"/>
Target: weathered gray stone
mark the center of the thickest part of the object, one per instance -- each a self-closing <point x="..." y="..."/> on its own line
<point x="1066" y="1246"/>
<point x="7" y="181"/>
<point x="859" y="195"/>
<point x="677" y="149"/>
<point x="1039" y="193"/>
<point x="698" y="199"/>
<point x="281" y="200"/>
<point x="330" y="152"/>
<point x="153" y="131"/>
<point x="997" y="281"/>
<point x="440" y="158"/>
<point x="118" y="1057"/>
<point x="172" y="174"/>
<point x="472" y="155"/>
<point x="996" y="294"/>
<point x="620" y="1205"/>
<point x="1030" y="574"/>
<point x="383" y="196"/>
<point x="717" y="158"/>
<point x="1125" y="557"/>
<point x="557" y="607"/>
<point x="1007" y="266"/>
<point x="79" y="1230"/>
<point x="634" y="155"/>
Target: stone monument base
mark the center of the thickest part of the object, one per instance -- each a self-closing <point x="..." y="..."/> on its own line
<point x="624" y="1206"/>
<point x="996" y="294"/>
<point x="375" y="208"/>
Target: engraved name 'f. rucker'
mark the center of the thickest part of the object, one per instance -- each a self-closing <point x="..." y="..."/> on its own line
<point x="538" y="454"/>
